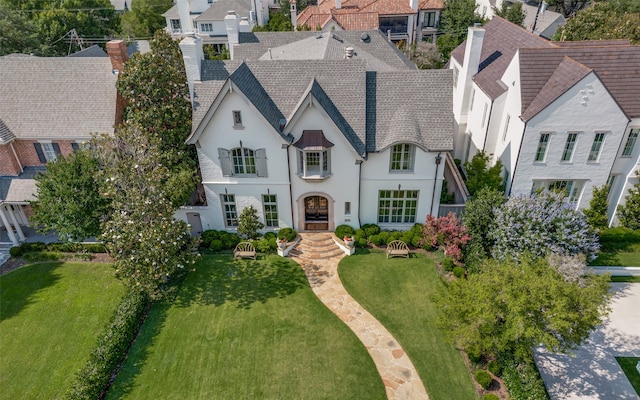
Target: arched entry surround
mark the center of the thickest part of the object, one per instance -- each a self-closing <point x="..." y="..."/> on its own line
<point x="313" y="223"/>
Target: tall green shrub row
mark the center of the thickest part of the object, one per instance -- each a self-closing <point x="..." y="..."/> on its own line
<point x="371" y="234"/>
<point x="92" y="381"/>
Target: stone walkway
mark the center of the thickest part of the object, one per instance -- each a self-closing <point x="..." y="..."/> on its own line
<point x="319" y="257"/>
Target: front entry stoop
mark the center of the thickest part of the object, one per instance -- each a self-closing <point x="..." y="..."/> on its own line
<point x="316" y="246"/>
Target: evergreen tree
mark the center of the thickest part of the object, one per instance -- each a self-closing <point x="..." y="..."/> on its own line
<point x="629" y="213"/>
<point x="249" y="224"/>
<point x="598" y="206"/>
<point x="511" y="12"/>
<point x="481" y="174"/>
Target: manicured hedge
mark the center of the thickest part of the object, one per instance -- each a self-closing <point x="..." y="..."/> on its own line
<point x="64" y="247"/>
<point x="92" y="381"/>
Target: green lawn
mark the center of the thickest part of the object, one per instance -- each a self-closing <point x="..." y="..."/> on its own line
<point x="628" y="365"/>
<point x="626" y="279"/>
<point x="246" y="330"/>
<point x="50" y="315"/>
<point x="629" y="257"/>
<point x="397" y="292"/>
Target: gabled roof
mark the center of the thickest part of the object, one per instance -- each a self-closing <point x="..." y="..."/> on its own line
<point x="372" y="109"/>
<point x="378" y="53"/>
<point x="57" y="97"/>
<point x="546" y="24"/>
<point x="219" y="9"/>
<point x="93" y="51"/>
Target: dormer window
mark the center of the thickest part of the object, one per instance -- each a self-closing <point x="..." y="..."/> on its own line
<point x="402" y="156"/>
<point x="314" y="155"/>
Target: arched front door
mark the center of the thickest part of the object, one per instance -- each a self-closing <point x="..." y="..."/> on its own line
<point x="316" y="213"/>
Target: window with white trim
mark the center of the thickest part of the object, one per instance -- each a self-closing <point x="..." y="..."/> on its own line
<point x="569" y="146"/>
<point x="596" y="146"/>
<point x="541" y="152"/>
<point x="237" y="118"/>
<point x="243" y="162"/>
<point x="571" y="189"/>
<point x="347" y="208"/>
<point x="631" y="142"/>
<point x="175" y="25"/>
<point x="402" y="157"/>
<point x="206" y="27"/>
<point x="229" y="210"/>
<point x="49" y="151"/>
<point x="397" y="206"/>
<point x="270" y="205"/>
<point x="314" y="163"/>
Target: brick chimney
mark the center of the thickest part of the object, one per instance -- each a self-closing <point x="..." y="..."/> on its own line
<point x="118" y="55"/>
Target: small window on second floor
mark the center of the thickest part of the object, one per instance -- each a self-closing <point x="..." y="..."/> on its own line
<point x="541" y="152"/>
<point x="596" y="146"/>
<point x="175" y="25"/>
<point x="569" y="146"/>
<point x="206" y="27"/>
<point x="402" y="156"/>
<point x="237" y="118"/>
<point x="631" y="142"/>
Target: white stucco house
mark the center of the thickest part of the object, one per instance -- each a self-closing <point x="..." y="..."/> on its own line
<point x="313" y="144"/>
<point x="563" y="115"/>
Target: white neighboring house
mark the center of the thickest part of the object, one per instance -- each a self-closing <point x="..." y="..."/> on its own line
<point x="563" y="115"/>
<point x="313" y="144"/>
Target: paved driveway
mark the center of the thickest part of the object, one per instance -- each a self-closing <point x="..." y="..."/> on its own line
<point x="593" y="372"/>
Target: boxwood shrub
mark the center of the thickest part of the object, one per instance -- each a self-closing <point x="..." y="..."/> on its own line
<point x="288" y="234"/>
<point x="483" y="378"/>
<point x="490" y="396"/>
<point x="344" y="230"/>
<point x="92" y="381"/>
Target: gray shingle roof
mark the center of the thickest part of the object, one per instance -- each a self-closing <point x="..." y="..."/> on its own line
<point x="372" y="109"/>
<point x="57" y="97"/>
<point x="379" y="54"/>
<point x="93" y="51"/>
<point x="218" y="10"/>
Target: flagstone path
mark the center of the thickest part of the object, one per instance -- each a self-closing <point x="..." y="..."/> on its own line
<point x="319" y="256"/>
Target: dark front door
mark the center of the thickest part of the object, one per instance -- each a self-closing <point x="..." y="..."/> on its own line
<point x="316" y="213"/>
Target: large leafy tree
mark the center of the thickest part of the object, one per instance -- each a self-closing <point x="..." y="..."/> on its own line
<point x="457" y="16"/>
<point x="69" y="199"/>
<point x="480" y="174"/>
<point x="151" y="249"/>
<point x="145" y="17"/>
<point x="93" y="20"/>
<point x="511" y="12"/>
<point x="155" y="85"/>
<point x="541" y="224"/>
<point x="17" y="33"/>
<point x="629" y="213"/>
<point x="614" y="19"/>
<point x="509" y="308"/>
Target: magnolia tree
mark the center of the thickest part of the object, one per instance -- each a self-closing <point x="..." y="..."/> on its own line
<point x="541" y="224"/>
<point x="629" y="213"/>
<point x="249" y="223"/>
<point x="446" y="233"/>
<point x="150" y="249"/>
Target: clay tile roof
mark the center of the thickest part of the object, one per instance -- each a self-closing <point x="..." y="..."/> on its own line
<point x="372" y="8"/>
<point x="357" y="21"/>
<point x="431" y="5"/>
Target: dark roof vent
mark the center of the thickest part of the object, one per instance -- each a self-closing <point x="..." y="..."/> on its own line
<point x="365" y="37"/>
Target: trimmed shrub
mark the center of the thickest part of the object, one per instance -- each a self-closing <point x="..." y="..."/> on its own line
<point x="416" y="241"/>
<point x="384" y="236"/>
<point x="494" y="367"/>
<point x="370" y="229"/>
<point x="361" y="242"/>
<point x="344" y="230"/>
<point x="448" y="264"/>
<point x="458" y="272"/>
<point x="483" y="378"/>
<point x="35" y="256"/>
<point x="288" y="234"/>
<point x="113" y="344"/>
<point x="35" y="246"/>
<point x="490" y="396"/>
<point x="216" y="245"/>
<point x="63" y="247"/>
<point x="207" y="236"/>
<point x="395" y="235"/>
<point x="270" y="235"/>
<point x="229" y="240"/>
<point x="407" y="237"/>
<point x="265" y="245"/>
<point x="95" y="248"/>
<point x="360" y="232"/>
<point x="523" y="381"/>
<point x="377" y="240"/>
<point x="15" y="251"/>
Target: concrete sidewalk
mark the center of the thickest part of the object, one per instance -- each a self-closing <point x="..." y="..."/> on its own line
<point x="593" y="372"/>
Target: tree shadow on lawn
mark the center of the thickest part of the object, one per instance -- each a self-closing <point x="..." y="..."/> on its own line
<point x="222" y="280"/>
<point x="20" y="286"/>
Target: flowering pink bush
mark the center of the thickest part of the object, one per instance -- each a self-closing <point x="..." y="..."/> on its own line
<point x="446" y="233"/>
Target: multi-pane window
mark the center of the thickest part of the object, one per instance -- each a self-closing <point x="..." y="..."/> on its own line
<point x="206" y="27"/>
<point x="229" y="210"/>
<point x="571" y="189"/>
<point x="314" y="163"/>
<point x="402" y="157"/>
<point x="49" y="151"/>
<point x="397" y="206"/>
<point x="270" y="210"/>
<point x="429" y="20"/>
<point x="175" y="25"/>
<point x="569" y="146"/>
<point x="237" y="118"/>
<point x="596" y="147"/>
<point x="244" y="162"/>
<point x="631" y="142"/>
<point x="541" y="152"/>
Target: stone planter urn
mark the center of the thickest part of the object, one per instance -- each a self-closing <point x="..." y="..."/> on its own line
<point x="282" y="244"/>
<point x="348" y="241"/>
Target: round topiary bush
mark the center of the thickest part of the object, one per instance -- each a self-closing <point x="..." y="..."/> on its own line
<point x="270" y="235"/>
<point x="370" y="229"/>
<point x="15" y="251"/>
<point x="490" y="396"/>
<point x="483" y="378"/>
<point x="287" y="234"/>
<point x="458" y="272"/>
<point x="215" y="245"/>
<point x="344" y="230"/>
<point x="207" y="236"/>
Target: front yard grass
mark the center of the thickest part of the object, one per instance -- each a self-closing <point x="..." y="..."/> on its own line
<point x="397" y="292"/>
<point x="629" y="257"/>
<point x="246" y="330"/>
<point x="50" y="315"/>
<point x="628" y="365"/>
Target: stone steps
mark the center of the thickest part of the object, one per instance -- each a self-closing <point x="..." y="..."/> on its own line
<point x="316" y="246"/>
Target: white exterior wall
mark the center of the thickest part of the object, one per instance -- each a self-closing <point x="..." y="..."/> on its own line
<point x="256" y="133"/>
<point x="571" y="113"/>
<point x="459" y="116"/>
<point x="219" y="28"/>
<point x="475" y="126"/>
<point x="343" y="184"/>
<point x="484" y="8"/>
<point x="376" y="176"/>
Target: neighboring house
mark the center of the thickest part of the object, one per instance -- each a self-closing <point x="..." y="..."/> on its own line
<point x="560" y="115"/>
<point x="406" y="20"/>
<point x="49" y="107"/>
<point x="313" y="144"/>
<point x="205" y="18"/>
<point x="121" y="5"/>
<point x="538" y="19"/>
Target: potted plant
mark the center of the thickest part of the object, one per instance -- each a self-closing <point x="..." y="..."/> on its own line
<point x="282" y="243"/>
<point x="348" y="241"/>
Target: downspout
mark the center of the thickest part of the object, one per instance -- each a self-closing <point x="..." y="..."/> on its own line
<point x="513" y="175"/>
<point x="486" y="131"/>
<point x="435" y="181"/>
<point x="16" y="156"/>
<point x="359" y="189"/>
<point x="290" y="192"/>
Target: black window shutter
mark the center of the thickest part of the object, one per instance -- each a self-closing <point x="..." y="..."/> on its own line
<point x="56" y="148"/>
<point x="40" y="153"/>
